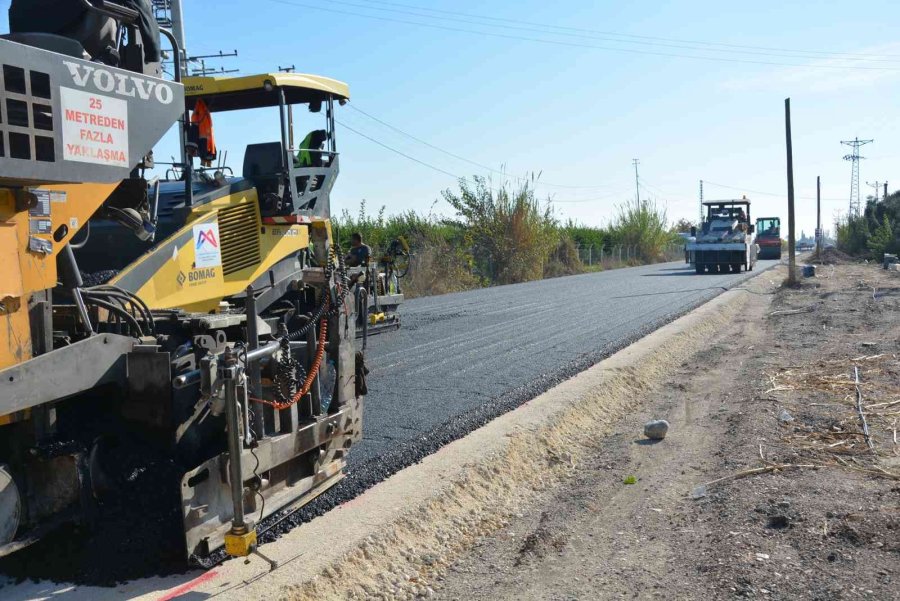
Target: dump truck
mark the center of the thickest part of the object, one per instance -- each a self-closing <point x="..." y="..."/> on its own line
<point x="725" y="241"/>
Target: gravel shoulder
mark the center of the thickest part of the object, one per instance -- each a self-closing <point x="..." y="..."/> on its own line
<point x="771" y="390"/>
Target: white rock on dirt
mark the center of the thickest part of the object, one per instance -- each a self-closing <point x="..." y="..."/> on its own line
<point x="656" y="429"/>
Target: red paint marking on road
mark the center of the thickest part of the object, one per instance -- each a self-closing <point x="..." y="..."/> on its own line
<point x="187" y="586"/>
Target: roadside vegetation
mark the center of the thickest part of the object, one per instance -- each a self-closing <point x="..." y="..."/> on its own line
<point x="875" y="232"/>
<point x="505" y="234"/>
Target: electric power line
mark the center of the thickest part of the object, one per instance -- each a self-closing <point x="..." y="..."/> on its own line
<point x="448" y="173"/>
<point x="821" y="53"/>
<point x="597" y="199"/>
<point x="566" y="201"/>
<point x="651" y="188"/>
<point x="464" y="159"/>
<point x="575" y="44"/>
<point x="516" y="25"/>
<point x="394" y="150"/>
<point x="775" y="194"/>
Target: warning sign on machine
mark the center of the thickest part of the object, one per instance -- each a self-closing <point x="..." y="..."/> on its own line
<point x="94" y="128"/>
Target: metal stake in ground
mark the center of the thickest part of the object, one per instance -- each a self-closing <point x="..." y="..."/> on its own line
<point x="859" y="410"/>
<point x="792" y="258"/>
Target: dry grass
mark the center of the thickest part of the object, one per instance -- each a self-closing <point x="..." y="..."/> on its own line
<point x="836" y="434"/>
<point x="438" y="269"/>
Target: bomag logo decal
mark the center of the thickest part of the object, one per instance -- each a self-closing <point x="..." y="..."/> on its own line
<point x="201" y="275"/>
<point x="196" y="277"/>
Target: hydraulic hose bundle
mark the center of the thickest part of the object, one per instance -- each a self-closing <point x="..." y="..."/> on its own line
<point x="287" y="367"/>
<point x="122" y="304"/>
<point x="334" y="257"/>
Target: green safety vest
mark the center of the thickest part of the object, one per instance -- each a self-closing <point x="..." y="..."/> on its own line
<point x="303" y="157"/>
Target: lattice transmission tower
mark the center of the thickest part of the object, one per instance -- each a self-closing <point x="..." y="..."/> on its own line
<point x="854" y="159"/>
<point x="162" y="10"/>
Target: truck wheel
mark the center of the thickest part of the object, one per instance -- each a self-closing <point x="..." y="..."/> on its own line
<point x="736" y="267"/>
<point x="698" y="268"/>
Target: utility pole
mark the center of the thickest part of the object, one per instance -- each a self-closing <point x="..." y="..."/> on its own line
<point x="178" y="31"/>
<point x="203" y="71"/>
<point x="168" y="13"/>
<point x="792" y="258"/>
<point x="884" y="198"/>
<point x="876" y="188"/>
<point x="819" y="216"/>
<point x="637" y="185"/>
<point x="854" y="159"/>
<point x="700" y="223"/>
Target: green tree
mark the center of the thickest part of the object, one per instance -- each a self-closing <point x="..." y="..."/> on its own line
<point x="852" y="234"/>
<point x="882" y="238"/>
<point x="682" y="226"/>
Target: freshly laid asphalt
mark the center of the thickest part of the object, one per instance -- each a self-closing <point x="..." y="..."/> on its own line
<point x="459" y="353"/>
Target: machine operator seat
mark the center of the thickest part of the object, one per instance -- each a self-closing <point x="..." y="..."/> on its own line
<point x="263" y="166"/>
<point x="47" y="23"/>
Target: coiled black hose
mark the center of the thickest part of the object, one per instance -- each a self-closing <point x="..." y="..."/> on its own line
<point x="325" y="309"/>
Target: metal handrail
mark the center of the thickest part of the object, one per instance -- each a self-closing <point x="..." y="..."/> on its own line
<point x="328" y="152"/>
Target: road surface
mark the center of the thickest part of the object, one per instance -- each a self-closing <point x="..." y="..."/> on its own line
<point x="463" y="352"/>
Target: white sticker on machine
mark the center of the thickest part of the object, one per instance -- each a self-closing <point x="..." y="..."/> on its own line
<point x="40" y="226"/>
<point x="206" y="245"/>
<point x="94" y="128"/>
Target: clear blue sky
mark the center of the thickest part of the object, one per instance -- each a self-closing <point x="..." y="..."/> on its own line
<point x="576" y="113"/>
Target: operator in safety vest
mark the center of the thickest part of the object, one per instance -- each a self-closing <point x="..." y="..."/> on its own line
<point x="201" y="118"/>
<point x="314" y="141"/>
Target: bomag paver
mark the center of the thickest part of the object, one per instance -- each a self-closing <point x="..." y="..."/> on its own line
<point x="223" y="345"/>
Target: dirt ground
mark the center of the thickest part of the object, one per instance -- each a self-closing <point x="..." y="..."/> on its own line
<point x="774" y="392"/>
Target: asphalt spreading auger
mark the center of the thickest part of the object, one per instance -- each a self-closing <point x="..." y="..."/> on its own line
<point x="224" y="342"/>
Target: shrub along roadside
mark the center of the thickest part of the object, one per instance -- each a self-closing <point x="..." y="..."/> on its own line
<point x="875" y="232"/>
<point x="501" y="235"/>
